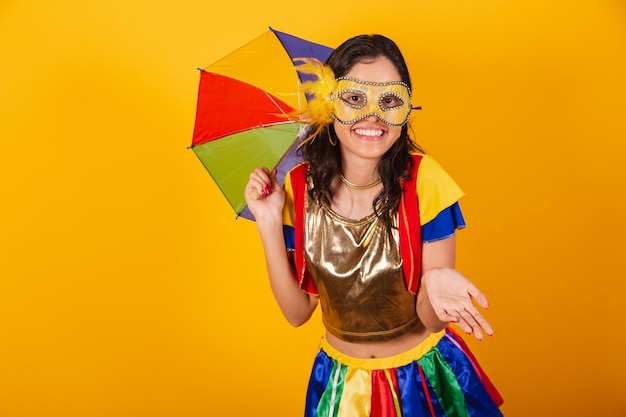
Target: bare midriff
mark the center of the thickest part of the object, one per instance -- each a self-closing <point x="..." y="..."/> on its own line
<point x="380" y="349"/>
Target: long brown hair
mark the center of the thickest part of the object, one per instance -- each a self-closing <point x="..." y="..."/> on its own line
<point x="325" y="159"/>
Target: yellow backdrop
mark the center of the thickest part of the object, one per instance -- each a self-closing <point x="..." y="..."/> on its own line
<point x="127" y="288"/>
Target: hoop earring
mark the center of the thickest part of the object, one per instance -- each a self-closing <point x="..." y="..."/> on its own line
<point x="330" y="139"/>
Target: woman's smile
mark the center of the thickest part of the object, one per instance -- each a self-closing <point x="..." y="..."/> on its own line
<point x="369" y="133"/>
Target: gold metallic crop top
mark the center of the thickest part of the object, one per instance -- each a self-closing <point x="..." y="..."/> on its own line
<point x="357" y="268"/>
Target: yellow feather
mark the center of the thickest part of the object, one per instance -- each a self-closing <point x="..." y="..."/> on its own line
<point x="320" y="93"/>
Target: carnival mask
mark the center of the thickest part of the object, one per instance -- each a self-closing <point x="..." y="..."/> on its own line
<point x="357" y="99"/>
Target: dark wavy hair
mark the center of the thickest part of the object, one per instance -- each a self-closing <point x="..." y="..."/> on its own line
<point x="325" y="159"/>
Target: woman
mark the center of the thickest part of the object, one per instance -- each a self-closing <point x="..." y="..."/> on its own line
<point x="372" y="221"/>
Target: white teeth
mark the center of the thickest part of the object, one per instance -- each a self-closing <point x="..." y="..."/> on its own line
<point x="369" y="132"/>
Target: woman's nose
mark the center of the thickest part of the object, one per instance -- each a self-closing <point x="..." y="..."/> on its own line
<point x="372" y="117"/>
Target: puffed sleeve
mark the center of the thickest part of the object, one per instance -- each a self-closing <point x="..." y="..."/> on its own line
<point x="438" y="195"/>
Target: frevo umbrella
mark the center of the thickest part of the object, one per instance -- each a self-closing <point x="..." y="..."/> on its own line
<point x="242" y="116"/>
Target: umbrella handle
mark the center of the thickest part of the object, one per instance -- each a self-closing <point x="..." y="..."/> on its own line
<point x="255" y="195"/>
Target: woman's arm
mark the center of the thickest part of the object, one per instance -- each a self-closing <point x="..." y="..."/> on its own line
<point x="445" y="295"/>
<point x="296" y="305"/>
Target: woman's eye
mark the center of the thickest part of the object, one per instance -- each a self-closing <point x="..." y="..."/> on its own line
<point x="390" y="102"/>
<point x="354" y="99"/>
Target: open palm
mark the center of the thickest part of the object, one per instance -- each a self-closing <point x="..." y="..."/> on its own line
<point x="452" y="297"/>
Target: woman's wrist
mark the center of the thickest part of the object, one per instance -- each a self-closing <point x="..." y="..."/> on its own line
<point x="266" y="224"/>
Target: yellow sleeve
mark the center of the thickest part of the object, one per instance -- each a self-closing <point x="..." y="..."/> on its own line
<point x="436" y="190"/>
<point x="288" y="209"/>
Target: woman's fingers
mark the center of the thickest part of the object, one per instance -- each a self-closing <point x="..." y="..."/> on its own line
<point x="484" y="324"/>
<point x="472" y="322"/>
<point x="478" y="296"/>
<point x="256" y="194"/>
<point x="260" y="184"/>
<point x="472" y="325"/>
<point x="467" y="317"/>
<point x="449" y="316"/>
<point x="462" y="323"/>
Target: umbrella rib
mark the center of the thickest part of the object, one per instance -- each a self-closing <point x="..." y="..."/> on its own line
<point x="261" y="126"/>
<point x="274" y="124"/>
<point x="269" y="96"/>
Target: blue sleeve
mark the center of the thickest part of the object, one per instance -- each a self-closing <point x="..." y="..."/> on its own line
<point x="290" y="240"/>
<point x="444" y="225"/>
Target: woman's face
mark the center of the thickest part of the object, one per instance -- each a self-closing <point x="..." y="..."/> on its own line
<point x="370" y="137"/>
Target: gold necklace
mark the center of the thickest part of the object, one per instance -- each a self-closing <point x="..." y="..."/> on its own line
<point x="359" y="186"/>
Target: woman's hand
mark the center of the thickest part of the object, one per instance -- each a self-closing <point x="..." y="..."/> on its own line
<point x="265" y="198"/>
<point x="452" y="298"/>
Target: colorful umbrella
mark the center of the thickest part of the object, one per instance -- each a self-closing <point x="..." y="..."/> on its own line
<point x="243" y="101"/>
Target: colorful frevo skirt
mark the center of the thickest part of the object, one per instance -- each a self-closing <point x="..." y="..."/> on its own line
<point x="439" y="377"/>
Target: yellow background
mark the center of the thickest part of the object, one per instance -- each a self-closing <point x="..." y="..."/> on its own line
<point x="128" y="289"/>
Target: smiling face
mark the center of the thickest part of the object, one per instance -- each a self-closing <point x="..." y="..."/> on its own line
<point x="369" y="136"/>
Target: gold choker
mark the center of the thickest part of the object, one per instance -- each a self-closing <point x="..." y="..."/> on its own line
<point x="359" y="186"/>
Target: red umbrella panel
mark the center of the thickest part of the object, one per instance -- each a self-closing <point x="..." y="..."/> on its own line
<point x="242" y="121"/>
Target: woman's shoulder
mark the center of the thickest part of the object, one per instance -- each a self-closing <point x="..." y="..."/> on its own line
<point x="427" y="163"/>
<point x="428" y="168"/>
<point x="295" y="176"/>
<point x="298" y="167"/>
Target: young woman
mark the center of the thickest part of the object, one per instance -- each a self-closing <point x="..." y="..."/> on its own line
<point x="365" y="226"/>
